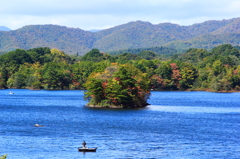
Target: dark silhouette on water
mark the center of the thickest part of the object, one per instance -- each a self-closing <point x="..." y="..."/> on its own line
<point x="84" y="144"/>
<point x="85" y="149"/>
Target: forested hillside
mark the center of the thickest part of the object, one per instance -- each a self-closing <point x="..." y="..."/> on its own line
<point x="196" y="69"/>
<point x="158" y="50"/>
<point x="132" y="35"/>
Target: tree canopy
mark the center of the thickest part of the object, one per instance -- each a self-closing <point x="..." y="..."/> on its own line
<point x="196" y="69"/>
<point x="121" y="86"/>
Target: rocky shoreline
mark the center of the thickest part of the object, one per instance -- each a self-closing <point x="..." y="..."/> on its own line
<point x="115" y="107"/>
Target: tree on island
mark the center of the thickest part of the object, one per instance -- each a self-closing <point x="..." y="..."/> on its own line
<point x="118" y="86"/>
<point x="3" y="157"/>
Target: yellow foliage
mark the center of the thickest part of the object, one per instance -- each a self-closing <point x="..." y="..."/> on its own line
<point x="57" y="52"/>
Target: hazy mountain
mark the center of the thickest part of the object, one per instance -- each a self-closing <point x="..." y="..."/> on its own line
<point x="94" y="30"/>
<point x="132" y="35"/>
<point x="233" y="27"/>
<point x="69" y="40"/>
<point x="3" y="28"/>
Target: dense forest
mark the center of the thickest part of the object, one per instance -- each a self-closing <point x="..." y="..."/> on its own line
<point x="132" y="35"/>
<point x="196" y="69"/>
<point x="164" y="51"/>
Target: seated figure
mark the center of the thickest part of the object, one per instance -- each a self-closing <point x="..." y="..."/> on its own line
<point x="84" y="144"/>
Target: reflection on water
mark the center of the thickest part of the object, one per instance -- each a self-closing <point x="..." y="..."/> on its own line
<point x="184" y="109"/>
<point x="176" y="125"/>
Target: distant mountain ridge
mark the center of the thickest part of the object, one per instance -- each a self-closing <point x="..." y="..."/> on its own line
<point x="94" y="30"/>
<point x="3" y="28"/>
<point x="131" y="35"/>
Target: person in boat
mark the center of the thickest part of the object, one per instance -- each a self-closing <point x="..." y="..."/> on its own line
<point x="84" y="144"/>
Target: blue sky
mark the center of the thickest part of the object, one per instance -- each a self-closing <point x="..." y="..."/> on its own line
<point x="102" y="14"/>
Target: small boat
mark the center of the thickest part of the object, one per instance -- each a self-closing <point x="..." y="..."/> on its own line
<point x="10" y="92"/>
<point x="87" y="149"/>
<point x="37" y="125"/>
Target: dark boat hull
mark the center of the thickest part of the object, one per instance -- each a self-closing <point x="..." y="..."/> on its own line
<point x="87" y="149"/>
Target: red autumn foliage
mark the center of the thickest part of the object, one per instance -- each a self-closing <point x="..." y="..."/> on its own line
<point x="174" y="66"/>
<point x="104" y="85"/>
<point x="176" y="77"/>
<point x="117" y="78"/>
<point x="235" y="72"/>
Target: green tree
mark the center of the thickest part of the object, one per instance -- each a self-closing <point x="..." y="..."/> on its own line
<point x="217" y="67"/>
<point x="126" y="57"/>
<point x="95" y="91"/>
<point x="146" y="54"/>
<point x="164" y="70"/>
<point x="39" y="54"/>
<point x="56" y="76"/>
<point x="16" y="57"/>
<point x="3" y="157"/>
<point x="225" y="49"/>
<point x="80" y="72"/>
<point x="93" y="55"/>
<point x="101" y="66"/>
<point x="3" y="77"/>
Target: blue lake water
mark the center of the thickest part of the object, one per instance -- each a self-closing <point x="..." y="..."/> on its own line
<point x="186" y="125"/>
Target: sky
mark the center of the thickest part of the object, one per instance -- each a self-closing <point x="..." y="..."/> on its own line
<point x="103" y="14"/>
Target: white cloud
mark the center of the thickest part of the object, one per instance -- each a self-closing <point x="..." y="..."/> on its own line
<point x="96" y="14"/>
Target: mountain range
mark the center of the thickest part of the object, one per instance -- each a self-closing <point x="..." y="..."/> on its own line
<point x="137" y="34"/>
<point x="3" y="28"/>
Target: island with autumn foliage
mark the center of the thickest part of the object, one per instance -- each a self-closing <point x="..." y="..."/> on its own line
<point x="118" y="86"/>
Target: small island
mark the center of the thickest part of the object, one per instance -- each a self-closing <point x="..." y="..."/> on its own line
<point x="118" y="86"/>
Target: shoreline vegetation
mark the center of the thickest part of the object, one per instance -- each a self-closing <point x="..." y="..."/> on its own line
<point x="122" y="80"/>
<point x="187" y="90"/>
<point x="3" y="156"/>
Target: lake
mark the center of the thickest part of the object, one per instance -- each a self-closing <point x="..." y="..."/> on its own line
<point x="177" y="125"/>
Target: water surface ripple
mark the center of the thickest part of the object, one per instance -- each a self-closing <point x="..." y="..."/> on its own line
<point x="176" y="125"/>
